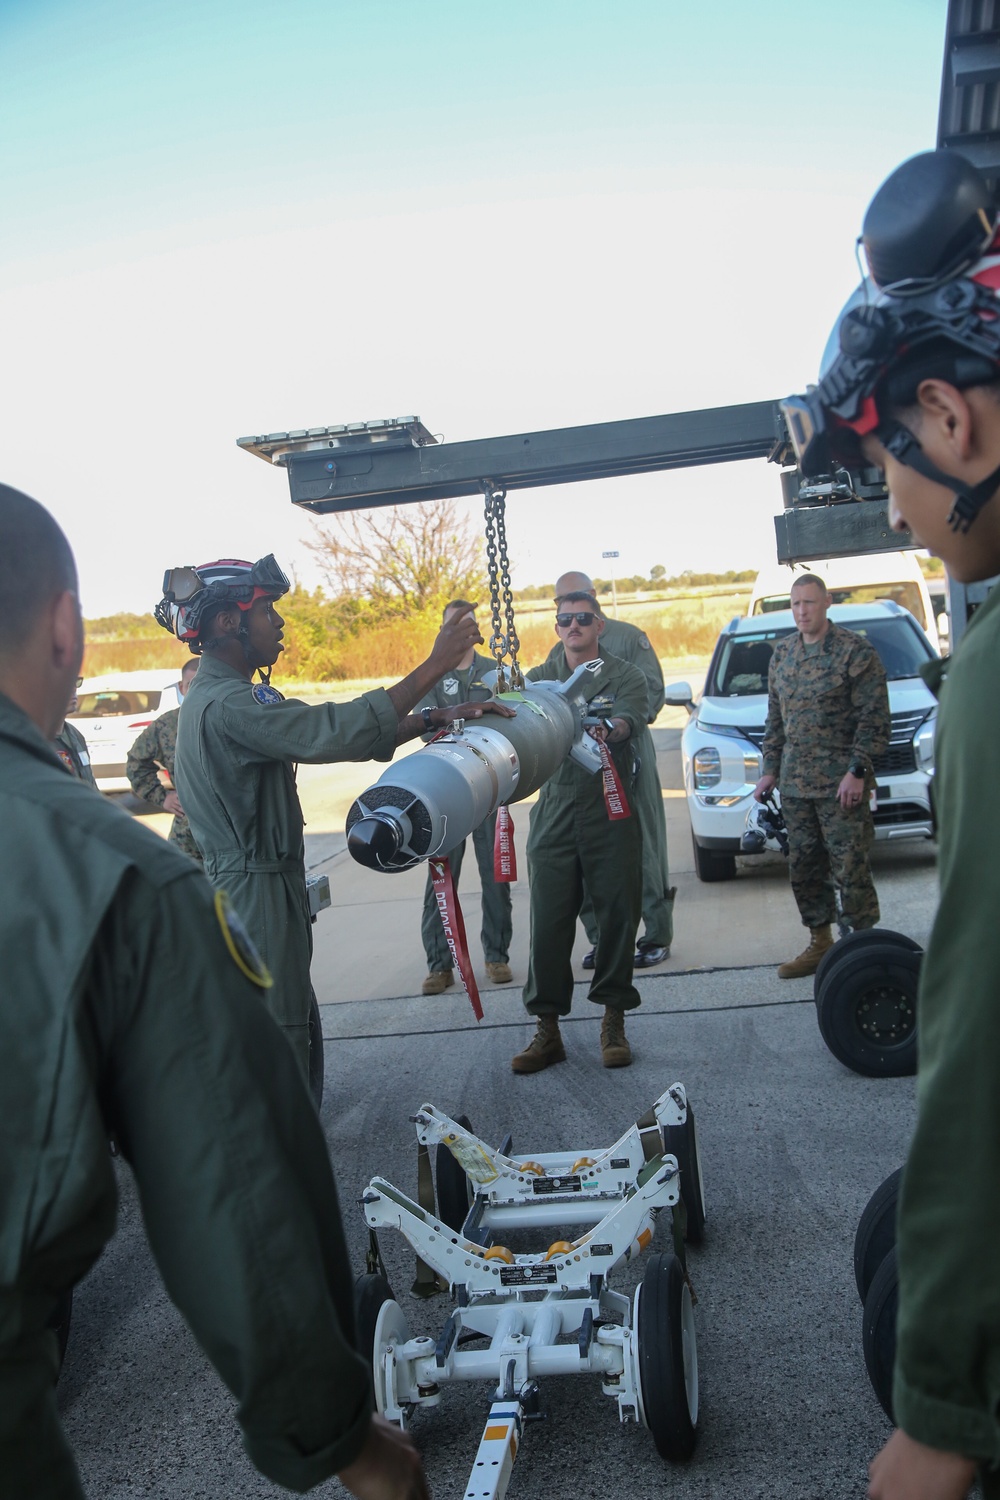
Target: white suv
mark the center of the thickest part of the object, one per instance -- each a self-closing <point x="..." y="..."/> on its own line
<point x="721" y="744"/>
<point x="111" y="712"/>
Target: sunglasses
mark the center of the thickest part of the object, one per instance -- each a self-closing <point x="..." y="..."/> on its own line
<point x="581" y="616"/>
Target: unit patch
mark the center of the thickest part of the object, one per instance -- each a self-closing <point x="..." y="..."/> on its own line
<point x="451" y="686"/>
<point x="265" y="694"/>
<point x="240" y="944"/>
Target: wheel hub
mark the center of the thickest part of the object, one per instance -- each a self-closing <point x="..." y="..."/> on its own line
<point x="885" y="1015"/>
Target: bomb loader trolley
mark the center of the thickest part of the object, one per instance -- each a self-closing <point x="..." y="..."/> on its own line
<point x="551" y="1312"/>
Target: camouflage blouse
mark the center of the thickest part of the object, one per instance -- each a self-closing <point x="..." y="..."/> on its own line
<point x="152" y="753"/>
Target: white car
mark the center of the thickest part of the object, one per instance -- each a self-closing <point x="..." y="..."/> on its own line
<point x="113" y="709"/>
<point x="721" y="744"/>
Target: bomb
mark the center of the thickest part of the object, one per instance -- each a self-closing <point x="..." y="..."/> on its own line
<point x="434" y="799"/>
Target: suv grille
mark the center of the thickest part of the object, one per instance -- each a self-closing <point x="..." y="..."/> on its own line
<point x="897" y="757"/>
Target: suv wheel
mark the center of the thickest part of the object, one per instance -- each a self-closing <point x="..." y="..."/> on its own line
<point x="710" y="866"/>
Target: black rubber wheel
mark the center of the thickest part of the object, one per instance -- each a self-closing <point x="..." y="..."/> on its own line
<point x="682" y="1141"/>
<point x="710" y="866"/>
<point x="371" y="1292"/>
<point x="454" y="1190"/>
<point x="867" y="1010"/>
<point x="59" y="1322"/>
<point x="876" y="1234"/>
<point x="668" y="1358"/>
<point x="846" y="947"/>
<point x="316" y="1056"/>
<point x="878" y="1330"/>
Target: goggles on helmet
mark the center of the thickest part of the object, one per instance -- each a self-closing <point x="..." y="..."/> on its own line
<point x="942" y="321"/>
<point x="188" y="592"/>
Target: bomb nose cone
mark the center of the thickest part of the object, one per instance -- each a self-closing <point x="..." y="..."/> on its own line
<point x="373" y="842"/>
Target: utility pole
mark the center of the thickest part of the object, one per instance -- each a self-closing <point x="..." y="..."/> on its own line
<point x="614" y="591"/>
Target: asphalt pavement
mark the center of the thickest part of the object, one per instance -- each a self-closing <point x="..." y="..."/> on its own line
<point x="792" y="1146"/>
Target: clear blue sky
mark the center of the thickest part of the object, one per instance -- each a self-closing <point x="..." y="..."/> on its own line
<point x="226" y="218"/>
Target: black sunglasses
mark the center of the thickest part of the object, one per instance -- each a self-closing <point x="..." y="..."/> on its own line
<point x="581" y="616"/>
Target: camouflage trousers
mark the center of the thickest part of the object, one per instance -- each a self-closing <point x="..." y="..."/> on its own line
<point x="828" y="855"/>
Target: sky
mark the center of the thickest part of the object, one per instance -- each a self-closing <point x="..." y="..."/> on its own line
<point x="232" y="217"/>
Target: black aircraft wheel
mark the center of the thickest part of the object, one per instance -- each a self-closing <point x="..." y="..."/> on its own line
<point x="454" y="1190"/>
<point x="867" y="1010"/>
<point x="667" y="1356"/>
<point x="682" y="1141"/>
<point x="316" y="1057"/>
<point x="849" y="946"/>
<point x="878" y="1333"/>
<point x="876" y="1234"/>
<point x="59" y="1322"/>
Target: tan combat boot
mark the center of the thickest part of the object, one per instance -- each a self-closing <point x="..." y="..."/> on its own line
<point x="437" y="981"/>
<point x="544" y="1049"/>
<point x="615" y="1050"/>
<point x="807" y="962"/>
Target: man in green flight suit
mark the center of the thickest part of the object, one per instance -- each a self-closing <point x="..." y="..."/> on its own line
<point x="631" y="644"/>
<point x="912" y="385"/>
<point x="464" y="684"/>
<point x="577" y="840"/>
<point x="128" y="1007"/>
<point x="238" y="742"/>
<point x="155" y="750"/>
<point x="827" y="718"/>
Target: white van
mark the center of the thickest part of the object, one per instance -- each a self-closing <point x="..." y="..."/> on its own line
<point x="865" y="579"/>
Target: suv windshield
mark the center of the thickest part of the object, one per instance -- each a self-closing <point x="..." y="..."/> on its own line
<point x="901" y="592"/>
<point x="740" y="665"/>
<point x="105" y="705"/>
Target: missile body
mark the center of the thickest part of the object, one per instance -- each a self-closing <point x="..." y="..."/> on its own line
<point x="433" y="799"/>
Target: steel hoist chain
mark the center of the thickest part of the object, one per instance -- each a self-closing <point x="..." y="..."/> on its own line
<point x="502" y="643"/>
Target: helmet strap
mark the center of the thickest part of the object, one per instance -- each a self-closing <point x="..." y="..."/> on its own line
<point x="969" y="498"/>
<point x="264" y="673"/>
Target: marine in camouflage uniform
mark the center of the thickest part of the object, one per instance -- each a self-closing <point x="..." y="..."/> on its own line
<point x="151" y="753"/>
<point x="828" y="710"/>
<point x="631" y="644"/>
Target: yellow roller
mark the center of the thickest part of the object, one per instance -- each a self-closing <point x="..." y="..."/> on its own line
<point x="559" y="1247"/>
<point x="533" y="1167"/>
<point x="500" y="1252"/>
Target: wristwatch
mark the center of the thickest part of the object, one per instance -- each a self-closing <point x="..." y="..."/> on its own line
<point x="858" y="768"/>
<point x="425" y="714"/>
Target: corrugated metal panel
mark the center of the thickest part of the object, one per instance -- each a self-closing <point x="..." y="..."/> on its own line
<point x="969" y="118"/>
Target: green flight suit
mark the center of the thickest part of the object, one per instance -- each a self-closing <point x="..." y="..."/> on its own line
<point x="71" y="748"/>
<point x="465" y="685"/>
<point x="946" y="1390"/>
<point x="573" y="842"/>
<point x="124" y="1011"/>
<point x="827" y="707"/>
<point x="631" y="644"/>
<point x="236" y="781"/>
<point x="155" y="749"/>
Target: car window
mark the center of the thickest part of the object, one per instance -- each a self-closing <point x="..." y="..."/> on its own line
<point x="741" y="662"/>
<point x="111" y="702"/>
<point x="903" y="592"/>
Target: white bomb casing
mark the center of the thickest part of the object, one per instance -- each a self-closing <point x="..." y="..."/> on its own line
<point x="434" y="799"/>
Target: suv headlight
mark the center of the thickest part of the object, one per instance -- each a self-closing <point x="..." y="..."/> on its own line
<point x="707" y="767"/>
<point x="923" y="742"/>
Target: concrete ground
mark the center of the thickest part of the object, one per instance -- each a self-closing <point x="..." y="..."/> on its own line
<point x="792" y="1146"/>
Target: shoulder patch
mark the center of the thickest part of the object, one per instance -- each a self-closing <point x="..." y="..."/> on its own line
<point x="241" y="947"/>
<point x="265" y="694"/>
<point x="644" y="642"/>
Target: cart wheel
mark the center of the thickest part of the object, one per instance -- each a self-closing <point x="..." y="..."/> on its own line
<point x="847" y="947"/>
<point x="682" y="1141"/>
<point x="454" y="1190"/>
<point x="380" y="1322"/>
<point x="878" y="1331"/>
<point x="667" y="1357"/>
<point x="59" y="1322"/>
<point x="876" y="1232"/>
<point x="316" y="1058"/>
<point x="867" y="1009"/>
